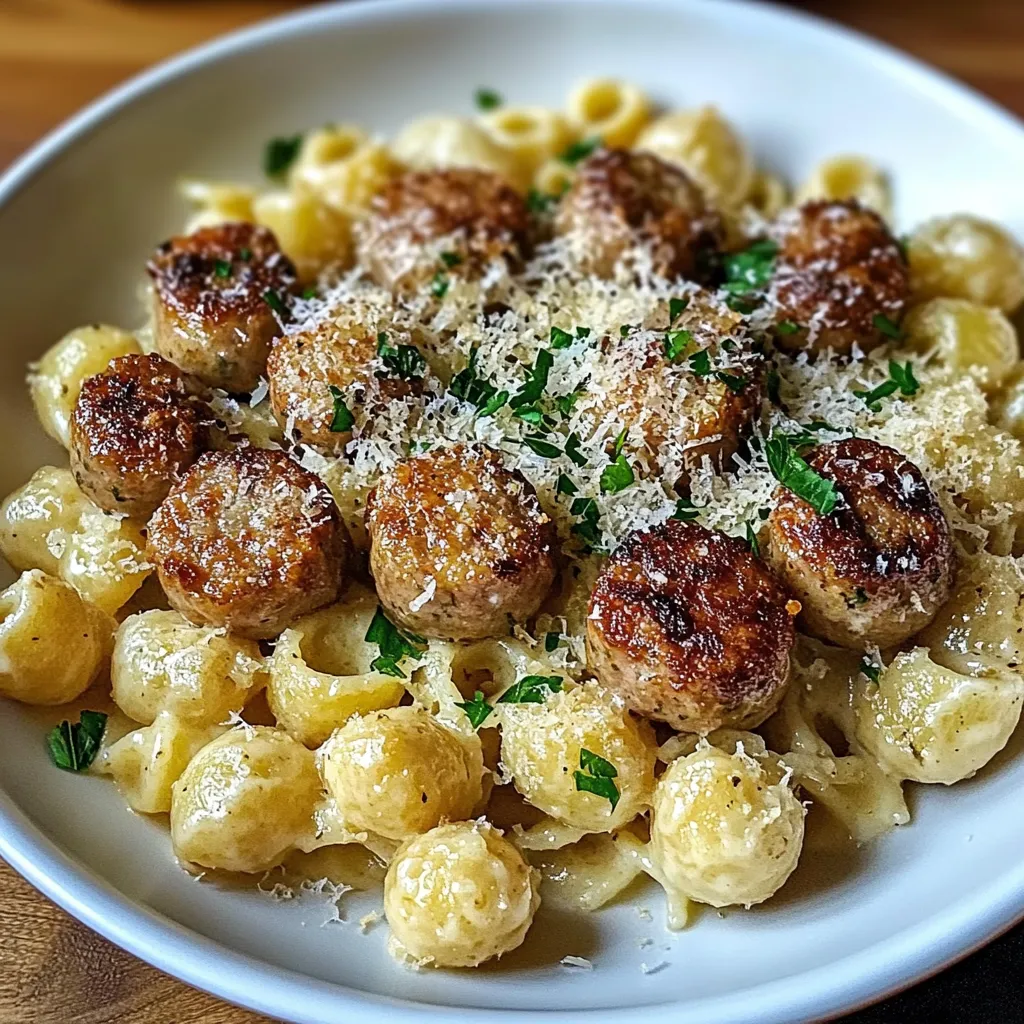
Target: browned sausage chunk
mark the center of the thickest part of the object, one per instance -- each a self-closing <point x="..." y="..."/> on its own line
<point x="622" y="200"/>
<point x="691" y="629"/>
<point x="341" y="354"/>
<point x="840" y="278"/>
<point x="877" y="568"/>
<point x="135" y="429"/>
<point x="214" y="298"/>
<point x="249" y="540"/>
<point x="456" y="221"/>
<point x="458" y="544"/>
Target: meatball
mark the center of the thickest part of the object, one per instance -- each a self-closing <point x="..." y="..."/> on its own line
<point x="218" y="295"/>
<point x="458" y="544"/>
<point x="249" y="540"/>
<point x="689" y="628"/>
<point x="135" y="429"/>
<point x="840" y="279"/>
<point x="685" y="412"/>
<point x="623" y="200"/>
<point x="339" y="354"/>
<point x="456" y="221"/>
<point x="876" y="569"/>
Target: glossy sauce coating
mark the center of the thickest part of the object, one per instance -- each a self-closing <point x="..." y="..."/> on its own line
<point x="690" y="629"/>
<point x="877" y="568"/>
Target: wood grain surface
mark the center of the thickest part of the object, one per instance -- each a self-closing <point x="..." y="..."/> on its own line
<point x="56" y="55"/>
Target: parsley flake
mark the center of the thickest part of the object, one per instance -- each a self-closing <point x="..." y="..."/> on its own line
<point x="536" y="381"/>
<point x="274" y="301"/>
<point x="221" y="268"/>
<point x="579" y="150"/>
<point x="751" y="269"/>
<point x="773" y="383"/>
<point x="797" y="476"/>
<point x="439" y="285"/>
<point x="700" y="363"/>
<point x="342" y="420"/>
<point x="551" y="641"/>
<point x="588" y="528"/>
<point x="564" y="485"/>
<point x="870" y="669"/>
<point x="686" y="511"/>
<point x="487" y="99"/>
<point x="309" y="293"/>
<point x="538" y="445"/>
<point x="393" y="645"/>
<point x="596" y="776"/>
<point x="901" y="378"/>
<point x="279" y="154"/>
<point x="734" y="382"/>
<point x="572" y="450"/>
<point x="404" y="361"/>
<point x="886" y="326"/>
<point x="532" y="689"/>
<point x="476" y="709"/>
<point x="560" y="338"/>
<point x="676" y="307"/>
<point x="73" y="746"/>
<point x="676" y="343"/>
<point x="616" y="476"/>
<point x="751" y="536"/>
<point x="787" y="327"/>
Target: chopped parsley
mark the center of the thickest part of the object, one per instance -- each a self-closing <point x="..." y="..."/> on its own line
<point x="393" y="645"/>
<point x="342" y="420"/>
<point x="221" y="268"/>
<point x="700" y="363"/>
<point x="676" y="307"/>
<point x="279" y="154"/>
<point x="579" y="150"/>
<point x="734" y="382"/>
<point x="751" y="269"/>
<point x="539" y="202"/>
<point x="617" y="476"/>
<point x="439" y="285"/>
<point x="403" y="361"/>
<point x="582" y="332"/>
<point x="870" y="669"/>
<point x="245" y="254"/>
<point x="624" y="330"/>
<point x="532" y="689"/>
<point x="536" y="381"/>
<point x="545" y="449"/>
<point x="772" y="385"/>
<point x="588" y="528"/>
<point x="451" y="259"/>
<point x="860" y="596"/>
<point x="886" y="326"/>
<point x="476" y="709"/>
<point x="566" y="403"/>
<point x="487" y="99"/>
<point x="596" y="775"/>
<point x="274" y="301"/>
<point x="564" y="485"/>
<point x="676" y="343"/>
<point x="787" y="327"/>
<point x="309" y="293"/>
<point x="572" y="450"/>
<point x="686" y="511"/>
<point x="751" y="535"/>
<point x="73" y="746"/>
<point x="494" y="403"/>
<point x="551" y="641"/>
<point x="476" y="390"/>
<point x="797" y="476"/>
<point x="901" y="378"/>
<point x="560" y="338"/>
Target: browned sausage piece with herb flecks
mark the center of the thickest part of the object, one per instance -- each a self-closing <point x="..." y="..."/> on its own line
<point x="135" y="429"/>
<point x="459" y="546"/>
<point x="876" y="568"/>
<point x="690" y="628"/>
<point x="220" y="296"/>
<point x="249" y="540"/>
<point x="841" y="279"/>
<point x="623" y="201"/>
<point x="427" y="226"/>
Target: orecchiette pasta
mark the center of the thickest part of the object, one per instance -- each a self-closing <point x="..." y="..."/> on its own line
<point x="244" y="800"/>
<point x="216" y="202"/>
<point x="725" y="828"/>
<point x="459" y="895"/>
<point x="198" y="674"/>
<point x="438" y="142"/>
<point x="343" y="167"/>
<point x="541" y="747"/>
<point x="553" y="178"/>
<point x="930" y="724"/>
<point x="966" y="257"/>
<point x="533" y="135"/>
<point x="848" y="177"/>
<point x="53" y="643"/>
<point x="320" y="673"/>
<point x="769" y="194"/>
<point x="707" y="147"/>
<point x="398" y="772"/>
<point x="147" y="762"/>
<point x="312" y="234"/>
<point x="49" y="524"/>
<point x="608" y="109"/>
<point x="56" y="379"/>
<point x="966" y="337"/>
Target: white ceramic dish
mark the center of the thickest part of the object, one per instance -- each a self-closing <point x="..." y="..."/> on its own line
<point x="77" y="218"/>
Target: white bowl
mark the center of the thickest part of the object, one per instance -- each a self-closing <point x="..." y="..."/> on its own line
<point x="78" y="216"/>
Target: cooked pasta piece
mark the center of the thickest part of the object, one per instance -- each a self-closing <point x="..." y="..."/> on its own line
<point x="769" y="194"/>
<point x="554" y="178"/>
<point x="399" y="772"/>
<point x="705" y="145"/>
<point x="197" y="674"/>
<point x="244" y="801"/>
<point x="930" y="724"/>
<point x="53" y="643"/>
<point x="608" y="109"/>
<point x="440" y="143"/>
<point x="216" y="203"/>
<point x="966" y="337"/>
<point x="966" y="257"/>
<point x="320" y="674"/>
<point x="147" y="762"/>
<point x="459" y="895"/>
<point x="726" y="826"/>
<point x="56" y="379"/>
<point x="849" y="177"/>
<point x="533" y="135"/>
<point x="49" y="524"/>
<point x="312" y="234"/>
<point x="342" y="166"/>
<point x="554" y="749"/>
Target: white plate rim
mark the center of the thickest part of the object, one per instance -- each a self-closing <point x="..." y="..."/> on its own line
<point x="840" y="987"/>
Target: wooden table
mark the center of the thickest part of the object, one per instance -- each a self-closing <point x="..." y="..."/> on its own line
<point x="56" y="55"/>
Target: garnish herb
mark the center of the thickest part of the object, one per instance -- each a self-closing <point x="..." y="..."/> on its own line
<point x="538" y="445"/>
<point x="564" y="485"/>
<point x="797" y="476"/>
<point x="624" y="330"/>
<point x="476" y="709"/>
<point x="787" y="327"/>
<point x="686" y="510"/>
<point x="751" y="269"/>
<point x="309" y="293"/>
<point x="342" y="420"/>
<point x="617" y="476"/>
<point x="860" y="596"/>
<point x="772" y="385"/>
<point x="572" y="450"/>
<point x="280" y="154"/>
<point x="439" y="285"/>
<point x="539" y="202"/>
<point x="734" y="382"/>
<point x="221" y="268"/>
<point x="532" y="689"/>
<point x="886" y="326"/>
<point x="588" y="528"/>
<point x="901" y="378"/>
<point x="451" y="259"/>
<point x="700" y="363"/>
<point x="755" y="546"/>
<point x="551" y="641"/>
<point x="73" y="746"/>
<point x="566" y="403"/>
<point x="560" y="338"/>
<point x="596" y="776"/>
<point x="676" y="343"/>
<point x="579" y="151"/>
<point x="393" y="644"/>
<point x="582" y="332"/>
<point x="487" y="99"/>
<point x="274" y="301"/>
<point x="494" y="403"/>
<point x="245" y="254"/>
<point x="675" y="309"/>
<point x="476" y="390"/>
<point x="870" y="669"/>
<point x="536" y="381"/>
<point x="403" y="361"/>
